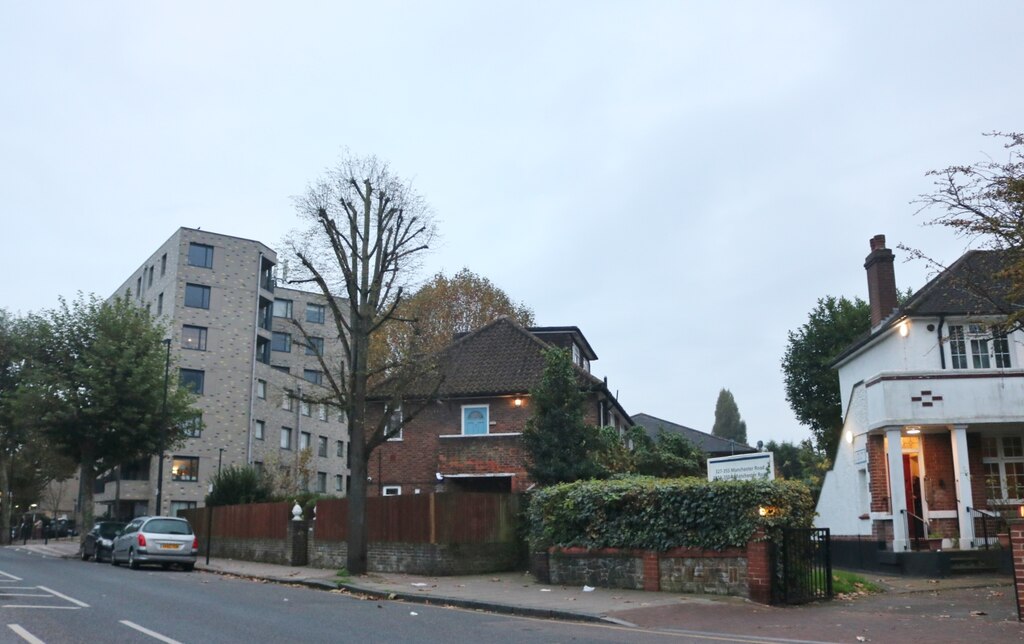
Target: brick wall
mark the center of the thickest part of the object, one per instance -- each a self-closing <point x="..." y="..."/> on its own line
<point x="422" y="558"/>
<point x="1017" y="553"/>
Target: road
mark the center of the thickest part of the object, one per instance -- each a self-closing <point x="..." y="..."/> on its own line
<point x="53" y="601"/>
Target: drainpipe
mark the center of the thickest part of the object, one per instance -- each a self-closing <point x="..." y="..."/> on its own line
<point x="938" y="334"/>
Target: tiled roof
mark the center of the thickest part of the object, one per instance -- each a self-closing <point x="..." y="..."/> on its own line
<point x="708" y="443"/>
<point x="972" y="285"/>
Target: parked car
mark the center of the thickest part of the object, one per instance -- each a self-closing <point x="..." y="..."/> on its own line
<point x="61" y="528"/>
<point x="99" y="541"/>
<point x="156" y="540"/>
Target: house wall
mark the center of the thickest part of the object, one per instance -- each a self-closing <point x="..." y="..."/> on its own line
<point x="854" y="487"/>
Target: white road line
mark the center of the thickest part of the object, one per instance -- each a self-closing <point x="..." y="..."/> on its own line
<point x="9" y="576"/>
<point x="63" y="596"/>
<point x="34" y="606"/>
<point x="153" y="634"/>
<point x="25" y="635"/>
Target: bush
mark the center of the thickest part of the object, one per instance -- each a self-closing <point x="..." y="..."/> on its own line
<point x="658" y="514"/>
<point x="237" y="485"/>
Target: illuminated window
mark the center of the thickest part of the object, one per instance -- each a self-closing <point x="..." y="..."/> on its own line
<point x="185" y="468"/>
<point x="193" y="337"/>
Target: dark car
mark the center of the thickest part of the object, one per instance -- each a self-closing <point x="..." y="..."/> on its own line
<point x="99" y="541"/>
<point x="156" y="540"/>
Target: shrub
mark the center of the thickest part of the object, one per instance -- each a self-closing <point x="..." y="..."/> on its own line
<point x="236" y="485"/>
<point x="658" y="514"/>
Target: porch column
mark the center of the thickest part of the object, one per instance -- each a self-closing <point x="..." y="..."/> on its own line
<point x="897" y="491"/>
<point x="964" y="492"/>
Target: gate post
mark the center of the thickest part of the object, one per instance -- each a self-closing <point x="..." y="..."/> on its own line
<point x="759" y="570"/>
<point x="1016" y="529"/>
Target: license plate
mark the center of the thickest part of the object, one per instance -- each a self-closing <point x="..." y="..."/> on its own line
<point x="168" y="546"/>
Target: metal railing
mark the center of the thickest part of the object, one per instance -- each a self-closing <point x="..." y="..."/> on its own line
<point x="924" y="523"/>
<point x="985" y="516"/>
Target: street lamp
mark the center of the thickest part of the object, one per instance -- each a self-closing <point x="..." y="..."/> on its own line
<point x="163" y="430"/>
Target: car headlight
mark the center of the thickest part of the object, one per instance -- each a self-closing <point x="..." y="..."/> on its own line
<point x="106" y="542"/>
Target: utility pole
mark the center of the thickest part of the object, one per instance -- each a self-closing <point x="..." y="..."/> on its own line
<point x="163" y="432"/>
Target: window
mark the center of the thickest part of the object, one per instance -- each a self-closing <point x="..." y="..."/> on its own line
<point x="281" y="342"/>
<point x="321" y="412"/>
<point x="193" y="427"/>
<point x="315" y="313"/>
<point x="149" y="280"/>
<point x="200" y="255"/>
<point x="192" y="379"/>
<point x="261" y="389"/>
<point x="138" y="288"/>
<point x="304" y="439"/>
<point x="314" y="346"/>
<point x="137" y="470"/>
<point x="978" y="347"/>
<point x="160" y="304"/>
<point x="391" y="490"/>
<point x="321" y="446"/>
<point x="304" y="408"/>
<point x="394" y="429"/>
<point x="286" y="402"/>
<point x="339" y="448"/>
<point x="282" y="308"/>
<point x="197" y="296"/>
<point x="163" y="265"/>
<point x="277" y="367"/>
<point x="339" y="482"/>
<point x="258" y="429"/>
<point x="193" y="337"/>
<point x="1003" y="460"/>
<point x="475" y="419"/>
<point x="178" y="506"/>
<point x="313" y="375"/>
<point x="286" y="438"/>
<point x="321" y="482"/>
<point x="185" y="468"/>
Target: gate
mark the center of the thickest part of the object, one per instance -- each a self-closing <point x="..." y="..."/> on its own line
<point x="801" y="566"/>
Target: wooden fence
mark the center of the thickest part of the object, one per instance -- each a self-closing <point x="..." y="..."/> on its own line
<point x="252" y="521"/>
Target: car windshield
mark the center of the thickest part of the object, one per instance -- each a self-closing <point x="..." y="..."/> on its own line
<point x="108" y="530"/>
<point x="168" y="526"/>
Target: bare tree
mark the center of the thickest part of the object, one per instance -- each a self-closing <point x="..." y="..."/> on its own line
<point x="367" y="230"/>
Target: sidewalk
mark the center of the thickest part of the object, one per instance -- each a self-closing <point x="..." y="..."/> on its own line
<point x="978" y="608"/>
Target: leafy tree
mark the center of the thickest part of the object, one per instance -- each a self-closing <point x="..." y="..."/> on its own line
<point x="812" y="385"/>
<point x="985" y="201"/>
<point x="93" y="386"/>
<point x="366" y="231"/>
<point x="438" y="311"/>
<point x="728" y="423"/>
<point x="670" y="455"/>
<point x="799" y="462"/>
<point x="239" y="484"/>
<point x="561" y="445"/>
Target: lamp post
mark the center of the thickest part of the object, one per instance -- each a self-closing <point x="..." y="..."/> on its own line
<point x="163" y="431"/>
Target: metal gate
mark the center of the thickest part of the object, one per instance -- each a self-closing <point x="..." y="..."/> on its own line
<point x="801" y="566"/>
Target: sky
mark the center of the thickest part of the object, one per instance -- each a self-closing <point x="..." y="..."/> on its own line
<point x="680" y="180"/>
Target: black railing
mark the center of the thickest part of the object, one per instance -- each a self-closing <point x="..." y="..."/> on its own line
<point x="801" y="566"/>
<point x="925" y="525"/>
<point x="997" y="522"/>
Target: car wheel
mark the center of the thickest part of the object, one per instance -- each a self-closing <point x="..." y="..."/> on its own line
<point x="99" y="556"/>
<point x="189" y="567"/>
<point x="134" y="565"/>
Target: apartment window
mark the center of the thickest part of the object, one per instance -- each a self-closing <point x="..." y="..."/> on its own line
<point x="315" y="313"/>
<point x="313" y="375"/>
<point x="282" y="309"/>
<point x="185" y="468"/>
<point x="321" y="412"/>
<point x="138" y="288"/>
<point x="394" y="427"/>
<point x="475" y="419"/>
<point x="263" y="350"/>
<point x="193" y="427"/>
<point x="286" y="438"/>
<point x="391" y="490"/>
<point x="339" y="448"/>
<point x="286" y="402"/>
<point x="339" y="482"/>
<point x="321" y="482"/>
<point x="178" y="506"/>
<point x="197" y="296"/>
<point x="314" y="346"/>
<point x="977" y="346"/>
<point x="281" y="342"/>
<point x="1003" y="460"/>
<point x="277" y="367"/>
<point x="304" y="440"/>
<point x="163" y="265"/>
<point x="258" y="429"/>
<point x="321" y="446"/>
<point x="192" y="379"/>
<point x="304" y="408"/>
<point x="200" y="255"/>
<point x="149" y="279"/>
<point x="261" y="389"/>
<point x="160" y="304"/>
<point x="193" y="337"/>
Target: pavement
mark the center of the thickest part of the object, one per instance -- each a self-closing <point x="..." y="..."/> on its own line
<point x="957" y="609"/>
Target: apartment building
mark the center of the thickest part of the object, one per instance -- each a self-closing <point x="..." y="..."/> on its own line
<point x="235" y="339"/>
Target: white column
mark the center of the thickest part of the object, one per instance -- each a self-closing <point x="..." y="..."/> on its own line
<point x="897" y="491"/>
<point x="964" y="492"/>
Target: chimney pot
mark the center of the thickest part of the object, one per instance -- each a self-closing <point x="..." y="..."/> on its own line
<point x="882" y="294"/>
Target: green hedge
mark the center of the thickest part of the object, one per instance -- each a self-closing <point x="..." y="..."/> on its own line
<point x="658" y="514"/>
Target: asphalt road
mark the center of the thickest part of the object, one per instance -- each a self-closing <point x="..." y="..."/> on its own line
<point x="44" y="599"/>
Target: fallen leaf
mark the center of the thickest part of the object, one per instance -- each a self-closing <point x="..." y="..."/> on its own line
<point x="978" y="613"/>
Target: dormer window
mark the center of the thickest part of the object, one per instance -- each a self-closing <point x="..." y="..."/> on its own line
<point x="977" y="346"/>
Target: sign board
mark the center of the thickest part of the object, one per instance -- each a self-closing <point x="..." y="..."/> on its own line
<point x="742" y="467"/>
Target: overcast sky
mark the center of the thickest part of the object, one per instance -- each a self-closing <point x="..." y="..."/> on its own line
<point x="680" y="180"/>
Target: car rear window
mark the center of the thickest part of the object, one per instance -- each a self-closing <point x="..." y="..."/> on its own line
<point x="168" y="526"/>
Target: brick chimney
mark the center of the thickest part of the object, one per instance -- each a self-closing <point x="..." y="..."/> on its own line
<point x="881" y="280"/>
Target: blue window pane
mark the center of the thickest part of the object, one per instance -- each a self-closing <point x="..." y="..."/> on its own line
<point x="200" y="255"/>
<point x="197" y="296"/>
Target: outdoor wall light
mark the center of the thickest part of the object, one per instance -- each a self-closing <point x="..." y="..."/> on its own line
<point x="518" y="402"/>
<point x="904" y="328"/>
<point x="849" y="437"/>
<point x="913" y="430"/>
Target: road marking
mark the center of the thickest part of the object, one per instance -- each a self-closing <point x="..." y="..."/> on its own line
<point x="9" y="576"/>
<point x="25" y="635"/>
<point x="63" y="596"/>
<point x="153" y="634"/>
<point x="35" y="606"/>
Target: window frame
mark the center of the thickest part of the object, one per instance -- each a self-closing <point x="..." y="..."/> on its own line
<point x="305" y="440"/>
<point x="204" y="261"/>
<point x="287" y="304"/>
<point x="204" y="295"/>
<point x="978" y="346"/>
<point x="391" y="490"/>
<point x="314" y="346"/>
<point x="283" y="443"/>
<point x="261" y="389"/>
<point x="281" y="338"/>
<point x="259" y="429"/>
<point x="1000" y="460"/>
<point x="395" y="414"/>
<point x="191" y="460"/>
<point x="486" y="421"/>
<point x="193" y="373"/>
<point x="202" y="336"/>
<point x="193" y="427"/>
<point x="321" y="446"/>
<point x="317" y="376"/>
<point x="319" y="312"/>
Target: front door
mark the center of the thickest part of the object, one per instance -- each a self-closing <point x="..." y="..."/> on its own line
<point x="915" y="504"/>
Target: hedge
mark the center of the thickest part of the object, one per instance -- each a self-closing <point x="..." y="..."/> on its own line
<point x="659" y="514"/>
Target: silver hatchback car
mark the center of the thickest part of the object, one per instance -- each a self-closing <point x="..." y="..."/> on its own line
<point x="156" y="540"/>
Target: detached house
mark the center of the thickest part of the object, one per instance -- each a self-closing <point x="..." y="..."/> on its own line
<point x="467" y="438"/>
<point x="933" y="438"/>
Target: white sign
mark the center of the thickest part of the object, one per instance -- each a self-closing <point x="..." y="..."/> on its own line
<point x="742" y="467"/>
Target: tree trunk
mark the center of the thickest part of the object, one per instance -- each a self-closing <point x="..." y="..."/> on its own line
<point x="5" y="516"/>
<point x="357" y="444"/>
<point x="87" y="481"/>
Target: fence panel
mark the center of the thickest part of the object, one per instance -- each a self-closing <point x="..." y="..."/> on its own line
<point x="801" y="566"/>
<point x="476" y="517"/>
